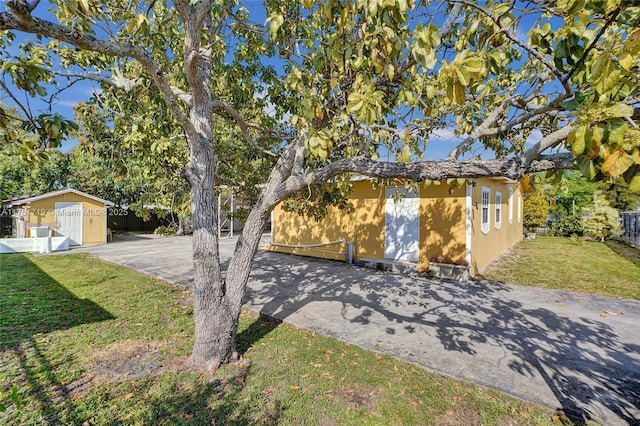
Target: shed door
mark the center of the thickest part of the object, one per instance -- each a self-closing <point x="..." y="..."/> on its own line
<point x="69" y="221"/>
<point x="402" y="226"/>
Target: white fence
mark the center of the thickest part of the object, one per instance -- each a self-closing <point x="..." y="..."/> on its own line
<point x="631" y="225"/>
<point x="33" y="245"/>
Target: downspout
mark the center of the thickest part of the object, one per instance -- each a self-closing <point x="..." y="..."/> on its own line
<point x="469" y="226"/>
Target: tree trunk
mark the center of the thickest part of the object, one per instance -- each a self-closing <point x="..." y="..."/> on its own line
<point x="247" y="245"/>
<point x="218" y="302"/>
<point x="211" y="314"/>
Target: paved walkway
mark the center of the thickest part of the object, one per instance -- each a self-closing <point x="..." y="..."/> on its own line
<point x="576" y="353"/>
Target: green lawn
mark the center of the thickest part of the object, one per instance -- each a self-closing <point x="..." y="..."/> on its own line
<point x="87" y="342"/>
<point x="608" y="269"/>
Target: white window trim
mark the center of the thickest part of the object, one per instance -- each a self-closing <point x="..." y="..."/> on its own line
<point x="498" y="209"/>
<point x="486" y="204"/>
<point x="510" y="206"/>
<point x="519" y="208"/>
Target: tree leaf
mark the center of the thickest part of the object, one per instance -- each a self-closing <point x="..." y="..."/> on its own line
<point x="616" y="131"/>
<point x="626" y="61"/>
<point x="458" y="93"/>
<point x="84" y="5"/>
<point x="608" y="81"/>
<point x="619" y="110"/>
<point x="634" y="185"/>
<point x="617" y="163"/>
<point x="581" y="134"/>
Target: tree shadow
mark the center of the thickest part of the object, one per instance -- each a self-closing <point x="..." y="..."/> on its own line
<point x="258" y="329"/>
<point x="201" y="402"/>
<point x="194" y="407"/>
<point x="519" y="340"/>
<point x="32" y="302"/>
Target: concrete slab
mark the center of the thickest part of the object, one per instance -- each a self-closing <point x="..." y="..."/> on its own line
<point x="576" y="353"/>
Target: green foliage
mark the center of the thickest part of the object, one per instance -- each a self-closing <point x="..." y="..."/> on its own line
<point x="568" y="226"/>
<point x="166" y="231"/>
<point x="535" y="209"/>
<point x="603" y="221"/>
<point x="576" y="239"/>
<point x="21" y="176"/>
<point x="572" y="193"/>
<point x="618" y="195"/>
<point x="315" y="202"/>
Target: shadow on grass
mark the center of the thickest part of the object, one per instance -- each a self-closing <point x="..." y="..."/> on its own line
<point x="204" y="404"/>
<point x="258" y="329"/>
<point x="31" y="302"/>
<point x="622" y="249"/>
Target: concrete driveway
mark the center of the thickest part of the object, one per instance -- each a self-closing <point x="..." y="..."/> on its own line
<point x="576" y="353"/>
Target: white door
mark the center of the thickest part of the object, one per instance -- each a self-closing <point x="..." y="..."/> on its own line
<point x="402" y="226"/>
<point x="69" y="222"/>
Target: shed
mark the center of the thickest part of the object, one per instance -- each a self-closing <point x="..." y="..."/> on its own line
<point x="467" y="226"/>
<point x="65" y="213"/>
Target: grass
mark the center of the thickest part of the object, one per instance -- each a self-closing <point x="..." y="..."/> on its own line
<point x="607" y="269"/>
<point x="89" y="343"/>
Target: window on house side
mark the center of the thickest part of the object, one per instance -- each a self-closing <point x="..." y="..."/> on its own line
<point x="486" y="197"/>
<point x="498" y="209"/>
<point x="510" y="205"/>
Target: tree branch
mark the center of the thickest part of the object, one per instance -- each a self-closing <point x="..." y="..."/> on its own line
<point x="513" y="168"/>
<point x="481" y="130"/>
<point x="19" y="19"/>
<point x="24" y="109"/>
<point x="520" y="43"/>
<point x="578" y="64"/>
<point x="549" y="141"/>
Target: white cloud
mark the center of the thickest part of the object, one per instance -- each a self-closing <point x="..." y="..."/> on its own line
<point x="534" y="137"/>
<point x="446" y="134"/>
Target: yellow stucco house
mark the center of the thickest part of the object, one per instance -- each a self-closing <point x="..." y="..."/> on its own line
<point x="469" y="226"/>
<point x="80" y="217"/>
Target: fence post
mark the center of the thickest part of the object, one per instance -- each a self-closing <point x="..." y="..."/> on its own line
<point x="631" y="225"/>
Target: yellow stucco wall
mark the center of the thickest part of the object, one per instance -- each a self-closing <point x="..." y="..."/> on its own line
<point x="42" y="213"/>
<point x="441" y="229"/>
<point x="442" y="224"/>
<point x="365" y="225"/>
<point x="486" y="247"/>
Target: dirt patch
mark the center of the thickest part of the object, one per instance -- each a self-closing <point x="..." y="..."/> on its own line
<point x="122" y="360"/>
<point x="507" y="421"/>
<point x="461" y="414"/>
<point x="358" y="396"/>
<point x="129" y="359"/>
<point x="186" y="299"/>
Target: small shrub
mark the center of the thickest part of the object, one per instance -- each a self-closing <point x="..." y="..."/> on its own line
<point x="576" y="240"/>
<point x="166" y="231"/>
<point x="536" y="211"/>
<point x="603" y="222"/>
<point x="568" y="226"/>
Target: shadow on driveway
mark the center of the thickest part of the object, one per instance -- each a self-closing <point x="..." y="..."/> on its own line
<point x="576" y="353"/>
